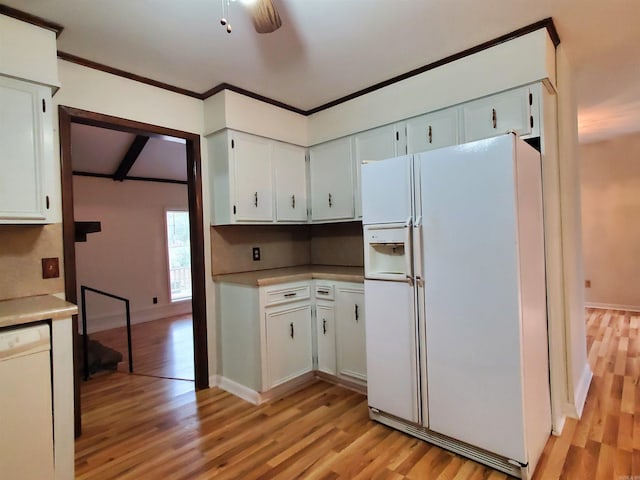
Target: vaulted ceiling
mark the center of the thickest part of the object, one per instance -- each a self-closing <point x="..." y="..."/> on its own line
<point x="327" y="49"/>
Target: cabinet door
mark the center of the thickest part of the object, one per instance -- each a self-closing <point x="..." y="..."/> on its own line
<point x="289" y="343"/>
<point x="25" y="149"/>
<point x="326" y="336"/>
<point x="373" y="145"/>
<point x="252" y="178"/>
<point x="331" y="177"/>
<point x="350" y="319"/>
<point x="433" y="130"/>
<point x="498" y="114"/>
<point x="290" y="182"/>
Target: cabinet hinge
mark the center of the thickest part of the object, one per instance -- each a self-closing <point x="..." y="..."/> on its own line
<point x="44" y="106"/>
<point x="531" y="99"/>
<point x="233" y="143"/>
<point x="234" y="209"/>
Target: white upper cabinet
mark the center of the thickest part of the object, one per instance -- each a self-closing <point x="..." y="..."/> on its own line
<point x="255" y="179"/>
<point x="498" y="114"/>
<point x="26" y="152"/>
<point x="331" y="178"/>
<point x="433" y="130"/>
<point x="290" y="182"/>
<point x="376" y="144"/>
<point x="251" y="157"/>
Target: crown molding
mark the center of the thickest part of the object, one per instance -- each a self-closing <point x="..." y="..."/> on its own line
<point x="32" y="19"/>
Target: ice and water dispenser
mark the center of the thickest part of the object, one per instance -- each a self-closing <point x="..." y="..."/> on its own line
<point x="387" y="253"/>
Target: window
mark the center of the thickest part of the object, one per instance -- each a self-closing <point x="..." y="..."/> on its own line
<point x="178" y="244"/>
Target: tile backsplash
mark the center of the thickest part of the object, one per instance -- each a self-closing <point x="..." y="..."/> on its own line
<point x="22" y="248"/>
<point x="285" y="246"/>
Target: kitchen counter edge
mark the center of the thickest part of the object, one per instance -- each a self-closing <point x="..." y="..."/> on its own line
<point x="20" y="311"/>
<point x="276" y="276"/>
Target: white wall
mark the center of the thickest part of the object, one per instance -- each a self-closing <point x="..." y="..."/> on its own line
<point x="578" y="372"/>
<point x="229" y="109"/>
<point x="28" y="52"/>
<point x="128" y="257"/>
<point x="100" y="92"/>
<point x="611" y="221"/>
<point x="526" y="59"/>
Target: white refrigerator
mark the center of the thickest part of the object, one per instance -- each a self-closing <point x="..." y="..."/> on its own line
<point x="457" y="349"/>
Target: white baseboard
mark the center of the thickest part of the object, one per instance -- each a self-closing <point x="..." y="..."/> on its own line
<point x="258" y="398"/>
<point x="238" y="390"/>
<point x="580" y="394"/>
<point x="613" y="306"/>
<point x="109" y="321"/>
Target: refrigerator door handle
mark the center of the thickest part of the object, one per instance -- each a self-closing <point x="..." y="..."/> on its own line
<point x="417" y="251"/>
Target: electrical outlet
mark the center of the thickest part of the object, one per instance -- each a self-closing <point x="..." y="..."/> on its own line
<point x="587" y="283"/>
<point x="50" y="268"/>
<point x="155" y="300"/>
<point x="256" y="254"/>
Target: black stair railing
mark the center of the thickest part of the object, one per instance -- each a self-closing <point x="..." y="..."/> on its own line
<point x="85" y="335"/>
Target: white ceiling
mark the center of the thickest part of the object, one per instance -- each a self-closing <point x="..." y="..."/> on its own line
<point x="330" y="48"/>
<point x="99" y="150"/>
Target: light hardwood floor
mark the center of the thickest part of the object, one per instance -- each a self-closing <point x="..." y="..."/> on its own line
<point x="139" y="427"/>
<point x="162" y="348"/>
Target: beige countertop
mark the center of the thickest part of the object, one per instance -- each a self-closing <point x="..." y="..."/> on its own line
<point x="294" y="274"/>
<point x="18" y="311"/>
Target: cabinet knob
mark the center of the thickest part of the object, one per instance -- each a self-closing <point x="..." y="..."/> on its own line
<point x="330" y="201"/>
<point x="255" y="199"/>
<point x="291" y="326"/>
<point x="356" y="313"/>
<point x="324" y="326"/>
<point x="494" y="118"/>
<point x="430" y="134"/>
<point x="293" y="201"/>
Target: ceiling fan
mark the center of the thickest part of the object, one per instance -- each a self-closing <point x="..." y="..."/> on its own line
<point x="266" y="18"/>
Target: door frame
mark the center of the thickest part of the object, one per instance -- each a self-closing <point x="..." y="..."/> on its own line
<point x="67" y="116"/>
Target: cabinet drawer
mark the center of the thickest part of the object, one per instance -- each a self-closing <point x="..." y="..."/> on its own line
<point x="286" y="294"/>
<point x="324" y="292"/>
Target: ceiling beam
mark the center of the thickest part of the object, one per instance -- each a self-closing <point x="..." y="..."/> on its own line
<point x="130" y="157"/>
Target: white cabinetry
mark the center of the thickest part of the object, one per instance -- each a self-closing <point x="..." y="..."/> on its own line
<point x="350" y="325"/>
<point x="498" y="114"/>
<point x="331" y="179"/>
<point x="288" y="343"/>
<point x="290" y="171"/>
<point x="376" y="144"/>
<point x="433" y="130"/>
<point x="26" y="152"/>
<point x="325" y="328"/>
<point x="253" y="192"/>
<point x="255" y="179"/>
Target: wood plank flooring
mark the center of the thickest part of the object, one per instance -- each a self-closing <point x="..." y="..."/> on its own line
<point x="162" y="348"/>
<point x="138" y="427"/>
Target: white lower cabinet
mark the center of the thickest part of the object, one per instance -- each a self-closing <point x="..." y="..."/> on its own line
<point x="350" y="332"/>
<point x="288" y="342"/>
<point x="270" y="335"/>
<point x="326" y="337"/>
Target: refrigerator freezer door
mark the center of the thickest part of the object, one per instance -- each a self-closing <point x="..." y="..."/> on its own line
<point x="386" y="191"/>
<point x="473" y="330"/>
<point x="392" y="376"/>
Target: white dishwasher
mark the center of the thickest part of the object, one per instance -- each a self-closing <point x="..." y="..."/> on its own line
<point x="26" y="417"/>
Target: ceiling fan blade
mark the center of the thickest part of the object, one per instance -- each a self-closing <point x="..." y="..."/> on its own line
<point x="265" y="16"/>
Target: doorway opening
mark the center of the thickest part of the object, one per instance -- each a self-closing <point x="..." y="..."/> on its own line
<point x="195" y="326"/>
